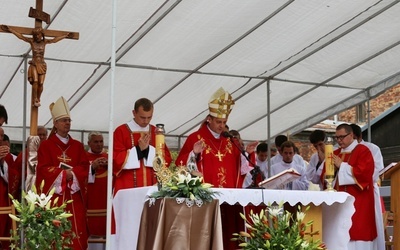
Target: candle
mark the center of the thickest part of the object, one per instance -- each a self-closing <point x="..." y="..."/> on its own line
<point x="329" y="166"/>
<point x="160" y="140"/>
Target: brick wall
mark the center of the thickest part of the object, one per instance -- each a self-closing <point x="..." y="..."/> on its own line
<point x="378" y="105"/>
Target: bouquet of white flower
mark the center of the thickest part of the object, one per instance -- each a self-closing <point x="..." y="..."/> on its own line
<point x="184" y="185"/>
<point x="44" y="224"/>
<point x="276" y="229"/>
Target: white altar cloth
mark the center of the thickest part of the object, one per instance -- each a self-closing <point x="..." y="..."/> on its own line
<point x="337" y="209"/>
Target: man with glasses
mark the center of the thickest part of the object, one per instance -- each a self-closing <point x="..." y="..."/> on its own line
<point x="378" y="163"/>
<point x="355" y="167"/>
<point x="63" y="164"/>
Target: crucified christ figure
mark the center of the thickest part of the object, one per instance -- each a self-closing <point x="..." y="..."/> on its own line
<point x="37" y="66"/>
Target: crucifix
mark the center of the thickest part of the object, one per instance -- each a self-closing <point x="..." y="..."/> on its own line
<point x="37" y="66"/>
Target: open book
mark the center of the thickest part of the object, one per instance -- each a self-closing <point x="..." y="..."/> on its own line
<point x="387" y="168"/>
<point x="280" y="180"/>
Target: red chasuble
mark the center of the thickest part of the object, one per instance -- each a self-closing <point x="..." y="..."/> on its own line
<point x="362" y="162"/>
<point x="6" y="188"/>
<point x="124" y="140"/>
<point x="14" y="176"/>
<point x="97" y="197"/>
<point x="219" y="162"/>
<point x="50" y="153"/>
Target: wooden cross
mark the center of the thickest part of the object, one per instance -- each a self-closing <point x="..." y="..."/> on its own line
<point x="37" y="68"/>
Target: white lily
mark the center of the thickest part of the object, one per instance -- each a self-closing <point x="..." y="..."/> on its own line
<point x="43" y="200"/>
<point x="31" y="197"/>
<point x="188" y="178"/>
<point x="180" y="178"/>
<point x="304" y="245"/>
<point x="300" y="216"/>
<point x="275" y="212"/>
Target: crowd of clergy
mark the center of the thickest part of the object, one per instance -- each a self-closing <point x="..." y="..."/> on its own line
<point x="221" y="158"/>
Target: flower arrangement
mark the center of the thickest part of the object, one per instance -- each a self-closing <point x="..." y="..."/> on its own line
<point x="182" y="184"/>
<point x="274" y="228"/>
<point x="44" y="224"/>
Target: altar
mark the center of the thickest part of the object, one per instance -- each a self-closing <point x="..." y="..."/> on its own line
<point x="337" y="209"/>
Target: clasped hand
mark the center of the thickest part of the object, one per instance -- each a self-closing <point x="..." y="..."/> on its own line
<point x="100" y="163"/>
<point x="337" y="160"/>
<point x="70" y="176"/>
<point x="144" y="141"/>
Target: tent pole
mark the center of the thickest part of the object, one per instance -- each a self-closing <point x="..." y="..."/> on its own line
<point x="110" y="130"/>
<point x="24" y="125"/>
<point x="22" y="240"/>
<point x="369" y="119"/>
<point x="269" y="126"/>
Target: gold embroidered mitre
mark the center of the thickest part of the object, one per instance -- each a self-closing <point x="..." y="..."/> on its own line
<point x="59" y="109"/>
<point x="220" y="104"/>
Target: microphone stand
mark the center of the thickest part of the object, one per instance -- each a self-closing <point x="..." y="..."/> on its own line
<point x="255" y="171"/>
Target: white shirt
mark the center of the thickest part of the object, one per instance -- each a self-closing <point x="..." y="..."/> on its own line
<point x="314" y="174"/>
<point x="296" y="158"/>
<point x="248" y="180"/>
<point x="299" y="184"/>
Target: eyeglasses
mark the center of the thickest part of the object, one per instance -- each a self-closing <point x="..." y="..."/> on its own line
<point x="340" y="137"/>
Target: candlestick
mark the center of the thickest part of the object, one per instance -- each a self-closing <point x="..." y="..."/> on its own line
<point x="329" y="165"/>
<point x="159" y="161"/>
<point x="160" y="140"/>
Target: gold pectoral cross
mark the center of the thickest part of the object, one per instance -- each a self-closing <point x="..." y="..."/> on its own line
<point x="219" y="155"/>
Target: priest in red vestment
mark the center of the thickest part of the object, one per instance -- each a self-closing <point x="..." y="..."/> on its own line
<point x="97" y="186"/>
<point x="134" y="150"/>
<point x="218" y="159"/>
<point x="355" y="167"/>
<point x="69" y="183"/>
<point x="9" y="181"/>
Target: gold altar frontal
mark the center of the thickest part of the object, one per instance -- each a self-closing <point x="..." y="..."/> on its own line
<point x="169" y="225"/>
<point x="314" y="214"/>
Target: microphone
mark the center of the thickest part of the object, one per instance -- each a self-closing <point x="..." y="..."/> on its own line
<point x="226" y="134"/>
<point x="256" y="170"/>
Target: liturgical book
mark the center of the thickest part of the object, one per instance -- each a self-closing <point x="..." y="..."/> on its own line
<point x="280" y="180"/>
<point x="65" y="166"/>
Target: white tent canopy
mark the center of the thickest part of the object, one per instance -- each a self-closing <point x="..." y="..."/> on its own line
<point x="318" y="57"/>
